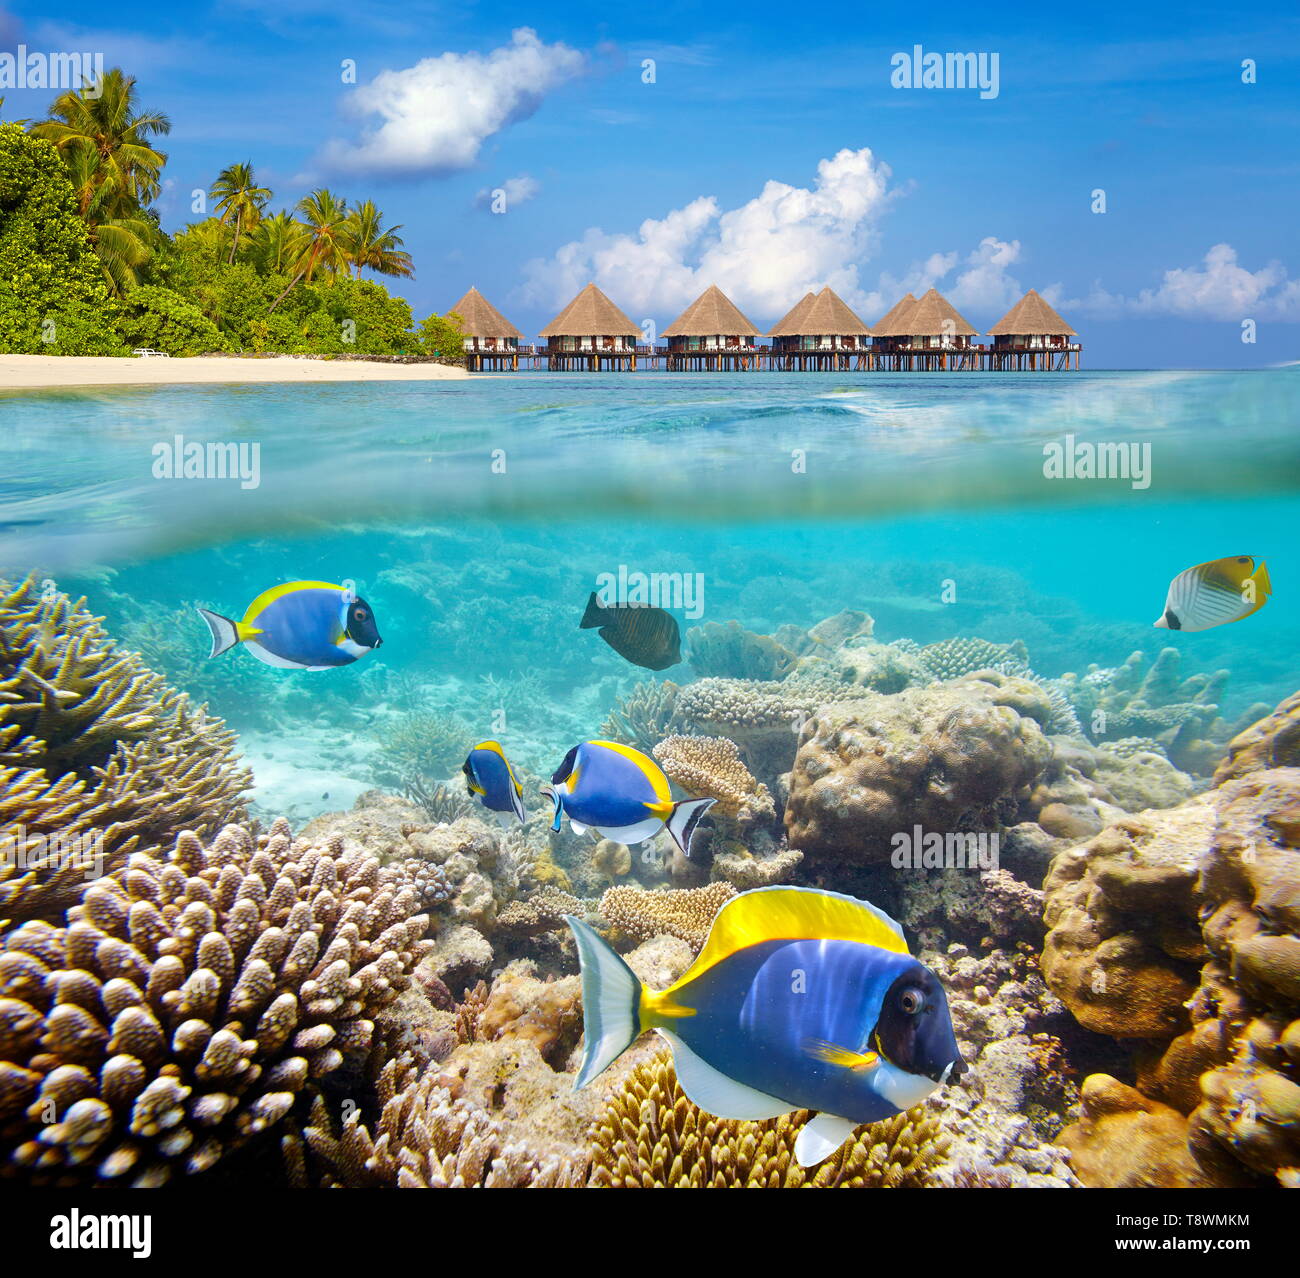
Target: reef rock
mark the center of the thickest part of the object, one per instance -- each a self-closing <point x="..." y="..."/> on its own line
<point x="1122" y="948"/>
<point x="946" y="758"/>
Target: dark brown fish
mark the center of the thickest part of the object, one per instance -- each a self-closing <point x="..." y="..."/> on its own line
<point x="647" y="637"/>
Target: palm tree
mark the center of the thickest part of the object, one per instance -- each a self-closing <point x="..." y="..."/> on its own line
<point x="277" y="244"/>
<point x="117" y="169"/>
<point x="120" y="241"/>
<point x="206" y="240"/>
<point x="325" y="218"/>
<point x="370" y="245"/>
<point x="237" y="196"/>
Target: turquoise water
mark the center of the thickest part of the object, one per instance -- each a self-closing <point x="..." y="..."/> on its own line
<point x="475" y="516"/>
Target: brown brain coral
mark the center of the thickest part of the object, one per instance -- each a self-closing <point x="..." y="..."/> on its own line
<point x="686" y="913"/>
<point x="651" y="1137"/>
<point x="1123" y="948"/>
<point x="946" y="758"/>
<point x="188" y="1000"/>
<point x="98" y="756"/>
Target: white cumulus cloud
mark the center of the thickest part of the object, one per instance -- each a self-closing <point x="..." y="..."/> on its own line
<point x="515" y="190"/>
<point x="764" y="254"/>
<point x="435" y="116"/>
<point x="1216" y="288"/>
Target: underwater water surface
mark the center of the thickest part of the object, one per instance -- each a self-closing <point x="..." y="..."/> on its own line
<point x="901" y="606"/>
<point x="477" y="516"/>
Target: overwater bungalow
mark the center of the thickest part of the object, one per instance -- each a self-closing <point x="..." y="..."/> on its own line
<point x="889" y="331"/>
<point x="491" y="340"/>
<point x="929" y="335"/>
<point x="820" y="332"/>
<point x="591" y="334"/>
<point x="1032" y="335"/>
<point x="711" y="334"/>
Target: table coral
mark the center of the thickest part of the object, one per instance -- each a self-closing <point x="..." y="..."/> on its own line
<point x="652" y="1137"/>
<point x="188" y="1000"/>
<point x="98" y="756"/>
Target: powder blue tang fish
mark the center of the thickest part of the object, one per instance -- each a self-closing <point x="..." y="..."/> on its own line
<point x="488" y="775"/>
<point x="302" y="625"/>
<point x="800" y="999"/>
<point x="622" y="794"/>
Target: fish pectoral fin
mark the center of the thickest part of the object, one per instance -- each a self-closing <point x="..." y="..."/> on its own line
<point x="822" y="1135"/>
<point x="833" y="1054"/>
<point x="716" y="1093"/>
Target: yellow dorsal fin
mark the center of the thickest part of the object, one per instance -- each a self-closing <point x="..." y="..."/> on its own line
<point x="833" y="1054"/>
<point x="792" y="913"/>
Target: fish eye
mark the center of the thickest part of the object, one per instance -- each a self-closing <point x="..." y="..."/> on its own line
<point x="911" y="1001"/>
<point x="362" y="615"/>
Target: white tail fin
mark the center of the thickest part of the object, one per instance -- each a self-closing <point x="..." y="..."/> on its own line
<point x="686" y="816"/>
<point x="224" y="634"/>
<point x="611" y="1003"/>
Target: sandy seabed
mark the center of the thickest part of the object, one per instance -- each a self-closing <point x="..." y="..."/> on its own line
<point x="28" y="372"/>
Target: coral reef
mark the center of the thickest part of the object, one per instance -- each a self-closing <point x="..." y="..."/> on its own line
<point x="650" y="1136"/>
<point x="1126" y="1141"/>
<point x="98" y="756"/>
<point x="1273" y="742"/>
<point x="1123" y="949"/>
<point x="946" y="758"/>
<point x="644" y="716"/>
<point x="730" y="650"/>
<point x="425" y="1138"/>
<point x="1155" y="701"/>
<point x="189" y="999"/>
<point x="711" y="768"/>
<point x="686" y="913"/>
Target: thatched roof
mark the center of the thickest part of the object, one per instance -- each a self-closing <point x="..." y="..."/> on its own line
<point x="712" y="314"/>
<point x="788" y="324"/>
<point x="824" y="314"/>
<point x="1031" y="316"/>
<point x="591" y="314"/>
<point x="935" y="316"/>
<point x="479" y="318"/>
<point x="893" y="322"/>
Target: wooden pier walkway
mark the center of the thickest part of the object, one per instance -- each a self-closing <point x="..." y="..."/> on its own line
<point x="919" y="359"/>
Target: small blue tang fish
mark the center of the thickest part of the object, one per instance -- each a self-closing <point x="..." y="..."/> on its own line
<point x="303" y="625"/>
<point x="800" y="999"/>
<point x="622" y="794"/>
<point x="489" y="775"/>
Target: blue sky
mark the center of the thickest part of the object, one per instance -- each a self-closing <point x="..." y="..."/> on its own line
<point x="771" y="152"/>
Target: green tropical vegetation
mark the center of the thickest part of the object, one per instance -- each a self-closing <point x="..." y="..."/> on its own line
<point x="86" y="268"/>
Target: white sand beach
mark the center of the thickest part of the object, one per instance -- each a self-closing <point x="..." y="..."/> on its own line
<point x="30" y="372"/>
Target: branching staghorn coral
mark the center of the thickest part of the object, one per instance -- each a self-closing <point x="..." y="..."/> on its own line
<point x="98" y="756"/>
<point x="425" y="1139"/>
<point x="686" y="913"/>
<point x="652" y="1137"/>
<point x="188" y="1001"/>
